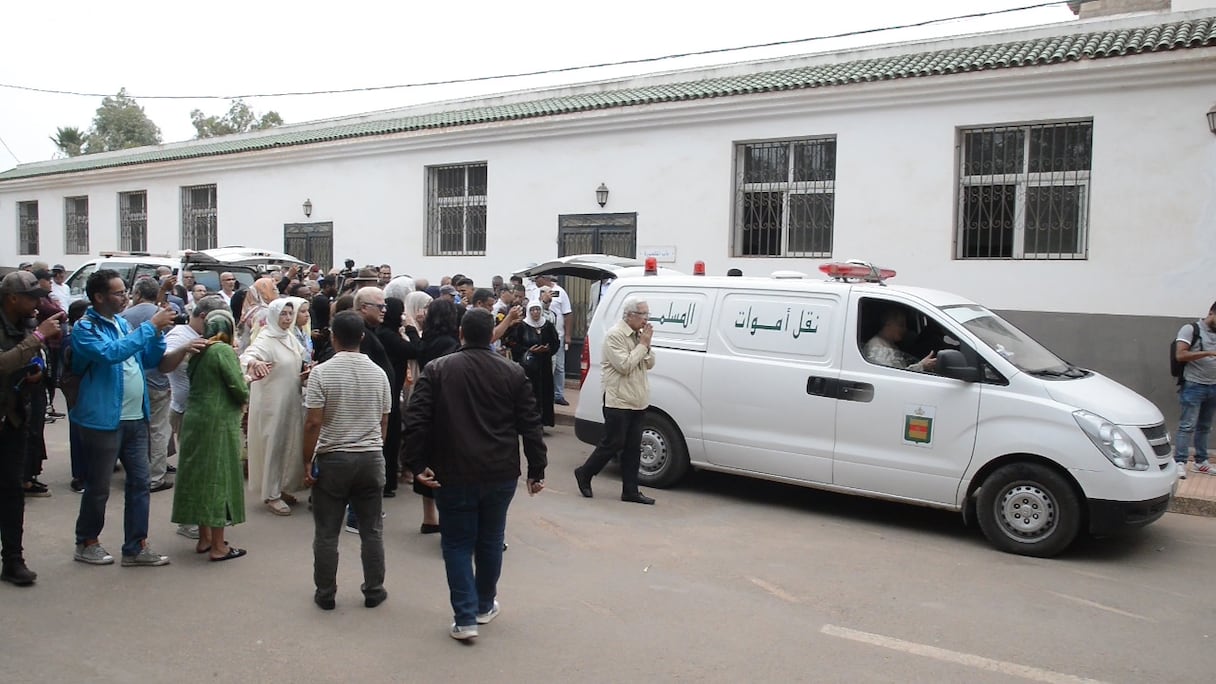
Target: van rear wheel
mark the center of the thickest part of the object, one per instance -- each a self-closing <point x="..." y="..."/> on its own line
<point x="664" y="456"/>
<point x="1028" y="509"/>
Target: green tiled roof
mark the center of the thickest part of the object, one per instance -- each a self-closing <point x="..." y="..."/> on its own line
<point x="1193" y="33"/>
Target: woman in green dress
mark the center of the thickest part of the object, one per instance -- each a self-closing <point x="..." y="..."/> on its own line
<point x="210" y="486"/>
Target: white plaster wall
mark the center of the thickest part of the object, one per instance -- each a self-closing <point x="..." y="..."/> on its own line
<point x="1152" y="214"/>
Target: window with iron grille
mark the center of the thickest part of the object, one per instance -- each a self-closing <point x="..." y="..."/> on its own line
<point x="199" y="218"/>
<point x="1024" y="191"/>
<point x="133" y="221"/>
<point x="76" y="225"/>
<point x="27" y="227"/>
<point x="785" y="193"/>
<point x="456" y="210"/>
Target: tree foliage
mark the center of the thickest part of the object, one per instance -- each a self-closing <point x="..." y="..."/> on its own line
<point x="70" y="141"/>
<point x="239" y="119"/>
<point x="120" y="123"/>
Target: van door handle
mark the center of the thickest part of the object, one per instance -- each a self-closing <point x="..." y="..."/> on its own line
<point x="822" y="387"/>
<point x="856" y="391"/>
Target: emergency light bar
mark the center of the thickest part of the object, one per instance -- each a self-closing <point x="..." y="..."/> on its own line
<point x="857" y="270"/>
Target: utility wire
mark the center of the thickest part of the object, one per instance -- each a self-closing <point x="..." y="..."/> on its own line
<point x="10" y="150"/>
<point x="541" y="72"/>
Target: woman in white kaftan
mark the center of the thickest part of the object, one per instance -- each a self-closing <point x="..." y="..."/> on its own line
<point x="274" y="361"/>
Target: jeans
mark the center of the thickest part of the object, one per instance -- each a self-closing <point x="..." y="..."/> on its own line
<point x="358" y="477"/>
<point x="1198" y="404"/>
<point x="128" y="444"/>
<point x="12" y="497"/>
<point x="473" y="523"/>
<point x="559" y="372"/>
<point x="623" y="436"/>
<point x="159" y="432"/>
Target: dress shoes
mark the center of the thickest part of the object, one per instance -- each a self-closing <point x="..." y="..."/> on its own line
<point x="16" y="573"/>
<point x="584" y="483"/>
<point x="637" y="497"/>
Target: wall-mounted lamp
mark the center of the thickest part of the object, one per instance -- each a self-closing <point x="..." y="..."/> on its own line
<point x="307" y="208"/>
<point x="1212" y="120"/>
<point x="601" y="193"/>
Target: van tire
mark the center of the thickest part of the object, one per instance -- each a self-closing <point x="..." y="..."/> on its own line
<point x="1028" y="509"/>
<point x="664" y="459"/>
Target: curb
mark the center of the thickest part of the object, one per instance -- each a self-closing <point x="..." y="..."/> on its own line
<point x="1193" y="506"/>
<point x="563" y="418"/>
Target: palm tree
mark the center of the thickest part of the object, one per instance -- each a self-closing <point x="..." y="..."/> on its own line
<point x="70" y="140"/>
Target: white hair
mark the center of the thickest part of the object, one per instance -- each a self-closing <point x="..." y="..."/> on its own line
<point x="365" y="295"/>
<point x="631" y="305"/>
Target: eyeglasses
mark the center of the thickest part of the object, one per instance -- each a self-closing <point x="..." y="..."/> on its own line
<point x="118" y="293"/>
<point x="382" y="307"/>
<point x="637" y="313"/>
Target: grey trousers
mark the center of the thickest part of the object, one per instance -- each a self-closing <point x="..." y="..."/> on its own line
<point x="159" y="434"/>
<point x="357" y="477"/>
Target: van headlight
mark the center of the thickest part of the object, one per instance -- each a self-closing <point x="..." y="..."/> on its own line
<point x="1112" y="441"/>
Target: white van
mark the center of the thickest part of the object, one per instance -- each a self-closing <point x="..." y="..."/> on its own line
<point x="766" y="377"/>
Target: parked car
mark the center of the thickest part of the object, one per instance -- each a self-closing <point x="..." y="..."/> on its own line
<point x="770" y="378"/>
<point x="245" y="263"/>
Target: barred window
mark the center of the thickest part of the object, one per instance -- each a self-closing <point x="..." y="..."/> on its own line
<point x="456" y="210"/>
<point x="27" y="227"/>
<point x="1024" y="191"/>
<point x="200" y="229"/>
<point x="76" y="225"/>
<point x="133" y="221"/>
<point x="785" y="193"/>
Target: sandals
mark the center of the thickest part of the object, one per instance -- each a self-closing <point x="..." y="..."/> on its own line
<point x="233" y="552"/>
<point x="278" y="507"/>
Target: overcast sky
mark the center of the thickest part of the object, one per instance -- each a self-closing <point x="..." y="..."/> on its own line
<point x="226" y="48"/>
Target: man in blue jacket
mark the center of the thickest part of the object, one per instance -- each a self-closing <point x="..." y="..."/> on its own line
<point x="111" y="415"/>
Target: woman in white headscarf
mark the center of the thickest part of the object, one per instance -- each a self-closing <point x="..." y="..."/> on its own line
<point x="274" y="362"/>
<point x="532" y="346"/>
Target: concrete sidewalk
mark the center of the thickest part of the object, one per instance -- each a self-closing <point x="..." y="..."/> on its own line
<point x="1196" y="494"/>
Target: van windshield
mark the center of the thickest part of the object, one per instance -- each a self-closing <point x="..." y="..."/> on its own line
<point x="1011" y="343"/>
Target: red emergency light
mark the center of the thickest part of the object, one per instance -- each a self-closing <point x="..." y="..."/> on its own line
<point x="857" y="271"/>
<point x="698" y="268"/>
<point x="652" y="266"/>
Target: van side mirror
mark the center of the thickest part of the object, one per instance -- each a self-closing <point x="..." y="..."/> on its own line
<point x="951" y="363"/>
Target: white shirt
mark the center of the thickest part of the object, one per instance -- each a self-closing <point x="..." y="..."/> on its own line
<point x="179" y="380"/>
<point x="560" y="306"/>
<point x="61" y="294"/>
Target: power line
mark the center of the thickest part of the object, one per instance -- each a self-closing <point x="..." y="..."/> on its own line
<point x="541" y="72"/>
<point x="10" y="150"/>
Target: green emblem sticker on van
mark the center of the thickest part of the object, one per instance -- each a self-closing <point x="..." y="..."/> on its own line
<point x="918" y="425"/>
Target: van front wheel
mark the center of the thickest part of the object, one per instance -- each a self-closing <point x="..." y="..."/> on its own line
<point x="1028" y="509"/>
<point x="664" y="457"/>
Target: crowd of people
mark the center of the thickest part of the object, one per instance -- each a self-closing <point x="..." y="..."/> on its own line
<point x="269" y="390"/>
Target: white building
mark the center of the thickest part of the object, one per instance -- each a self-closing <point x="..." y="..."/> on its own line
<point x="1065" y="175"/>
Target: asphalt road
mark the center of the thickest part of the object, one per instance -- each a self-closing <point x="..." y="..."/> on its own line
<point x="724" y="580"/>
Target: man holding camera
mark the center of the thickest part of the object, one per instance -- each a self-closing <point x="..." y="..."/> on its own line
<point x="21" y="373"/>
<point x="144" y="298"/>
<point x="111" y="416"/>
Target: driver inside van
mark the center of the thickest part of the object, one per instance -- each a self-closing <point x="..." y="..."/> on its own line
<point x="883" y="348"/>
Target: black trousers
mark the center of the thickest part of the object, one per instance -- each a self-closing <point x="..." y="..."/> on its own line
<point x="35" y="446"/>
<point x="12" y="497"/>
<point x="623" y="438"/>
<point x="392" y="450"/>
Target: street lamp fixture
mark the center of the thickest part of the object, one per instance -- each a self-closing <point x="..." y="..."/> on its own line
<point x="307" y="208"/>
<point x="601" y="193"/>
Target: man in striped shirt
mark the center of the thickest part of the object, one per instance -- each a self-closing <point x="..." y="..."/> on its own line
<point x="348" y="401"/>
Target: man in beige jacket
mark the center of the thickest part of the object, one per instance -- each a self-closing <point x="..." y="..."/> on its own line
<point x="627" y="358"/>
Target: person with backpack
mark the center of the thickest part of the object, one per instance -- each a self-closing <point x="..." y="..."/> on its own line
<point x="1195" y="352"/>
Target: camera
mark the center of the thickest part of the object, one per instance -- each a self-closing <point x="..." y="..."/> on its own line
<point x="182" y="318"/>
<point x="350" y="264"/>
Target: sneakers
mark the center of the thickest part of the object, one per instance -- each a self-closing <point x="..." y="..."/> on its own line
<point x="188" y="531"/>
<point x="145" y="558"/>
<point x="160" y="486"/>
<point x="462" y="633"/>
<point x="485" y="618"/>
<point x="561" y="401"/>
<point x="1181" y="467"/>
<point x="36" y="489"/>
<point x="77" y="485"/>
<point x="1205" y="468"/>
<point x="16" y="573"/>
<point x="93" y="554"/>
<point x="352" y="527"/>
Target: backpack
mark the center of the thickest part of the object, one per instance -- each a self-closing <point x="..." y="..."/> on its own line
<point x="69" y="381"/>
<point x="1177" y="366"/>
